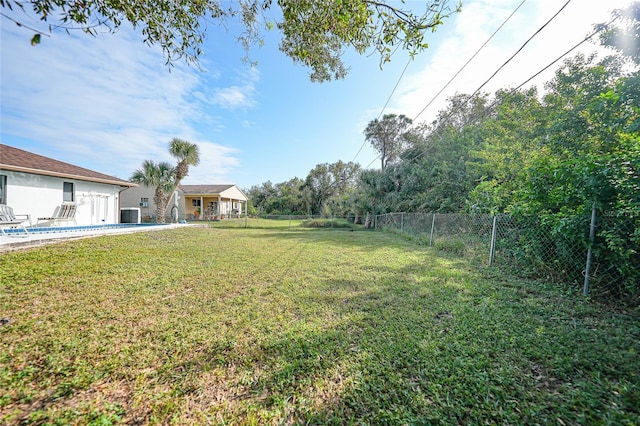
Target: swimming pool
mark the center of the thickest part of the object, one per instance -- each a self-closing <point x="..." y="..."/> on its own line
<point x="46" y="230"/>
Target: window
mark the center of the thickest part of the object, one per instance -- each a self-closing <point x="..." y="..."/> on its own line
<point x="195" y="202"/>
<point x="144" y="202"/>
<point x="3" y="189"/>
<point x="67" y="192"/>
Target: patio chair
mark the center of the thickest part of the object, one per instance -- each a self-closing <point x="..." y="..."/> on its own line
<point x="65" y="212"/>
<point x="12" y="221"/>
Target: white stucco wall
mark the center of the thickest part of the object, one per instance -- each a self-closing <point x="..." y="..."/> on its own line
<point x="39" y="195"/>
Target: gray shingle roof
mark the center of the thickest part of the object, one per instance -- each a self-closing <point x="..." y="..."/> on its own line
<point x="204" y="189"/>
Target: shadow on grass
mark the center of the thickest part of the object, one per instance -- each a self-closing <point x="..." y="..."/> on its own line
<point x="438" y="352"/>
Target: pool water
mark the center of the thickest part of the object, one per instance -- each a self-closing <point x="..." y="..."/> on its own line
<point x="61" y="229"/>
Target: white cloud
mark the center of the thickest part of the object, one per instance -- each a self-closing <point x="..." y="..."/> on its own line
<point x="217" y="165"/>
<point x="232" y="97"/>
<point x="237" y="96"/>
<point x="106" y="103"/>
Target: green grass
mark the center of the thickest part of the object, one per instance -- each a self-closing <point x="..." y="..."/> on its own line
<point x="271" y="326"/>
<point x="256" y="223"/>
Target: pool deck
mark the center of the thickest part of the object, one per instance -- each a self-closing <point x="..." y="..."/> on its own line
<point x="35" y="239"/>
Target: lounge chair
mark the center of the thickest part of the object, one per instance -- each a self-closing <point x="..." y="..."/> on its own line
<point x="12" y="221"/>
<point x="65" y="212"/>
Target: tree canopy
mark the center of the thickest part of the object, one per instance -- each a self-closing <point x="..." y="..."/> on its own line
<point x="314" y="33"/>
<point x="161" y="177"/>
<point x="388" y="136"/>
<point x="187" y="154"/>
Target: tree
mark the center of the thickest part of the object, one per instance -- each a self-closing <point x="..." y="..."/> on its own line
<point x="161" y="177"/>
<point x="388" y="136"/>
<point x="368" y="198"/>
<point x="315" y="33"/>
<point x="187" y="154"/>
<point x="508" y="144"/>
<point x="326" y="181"/>
<point x="164" y="178"/>
<point x="626" y="40"/>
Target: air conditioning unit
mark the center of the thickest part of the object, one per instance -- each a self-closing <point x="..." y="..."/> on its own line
<point x="130" y="215"/>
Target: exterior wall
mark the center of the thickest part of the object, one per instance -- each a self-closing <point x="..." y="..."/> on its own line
<point x="207" y="209"/>
<point x="229" y="202"/>
<point x="39" y="195"/>
<point x="132" y="197"/>
<point x="213" y="206"/>
<point x="236" y="201"/>
<point x="233" y="193"/>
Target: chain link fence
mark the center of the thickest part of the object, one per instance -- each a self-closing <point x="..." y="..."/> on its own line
<point x="600" y="253"/>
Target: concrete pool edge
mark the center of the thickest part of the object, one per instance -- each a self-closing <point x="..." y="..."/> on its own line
<point x="40" y="237"/>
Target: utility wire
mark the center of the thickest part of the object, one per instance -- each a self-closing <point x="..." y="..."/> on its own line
<point x="520" y="49"/>
<point x="20" y="24"/>
<point x="385" y="106"/>
<point x="500" y="99"/>
<point x="507" y="61"/>
<point x="468" y="61"/>
<point x="447" y="84"/>
<point x="391" y="95"/>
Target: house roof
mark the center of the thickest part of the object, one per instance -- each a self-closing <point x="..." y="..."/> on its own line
<point x="204" y="189"/>
<point x="19" y="160"/>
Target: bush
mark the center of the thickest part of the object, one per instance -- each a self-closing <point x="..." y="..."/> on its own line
<point x="450" y="245"/>
<point x="327" y="223"/>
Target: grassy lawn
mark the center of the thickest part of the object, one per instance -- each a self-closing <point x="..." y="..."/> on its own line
<point x="282" y="223"/>
<point x="278" y="326"/>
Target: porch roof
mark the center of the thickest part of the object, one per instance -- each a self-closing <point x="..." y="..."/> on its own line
<point x="225" y="191"/>
<point x="204" y="189"/>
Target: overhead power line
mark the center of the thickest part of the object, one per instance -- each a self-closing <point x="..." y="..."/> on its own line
<point x="469" y="60"/>
<point x="385" y="105"/>
<point x="520" y="49"/>
<point x="447" y="84"/>
<point x="508" y="60"/>
<point x="500" y="99"/>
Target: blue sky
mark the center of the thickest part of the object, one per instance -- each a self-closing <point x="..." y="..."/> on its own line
<point x="108" y="102"/>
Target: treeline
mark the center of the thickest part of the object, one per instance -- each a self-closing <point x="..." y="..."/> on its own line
<point x="515" y="151"/>
<point x="327" y="190"/>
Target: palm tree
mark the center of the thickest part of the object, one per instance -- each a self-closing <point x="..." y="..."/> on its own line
<point x="161" y="176"/>
<point x="187" y="154"/>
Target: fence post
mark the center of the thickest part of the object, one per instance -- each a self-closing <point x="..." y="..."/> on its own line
<point x="401" y="222"/>
<point x="592" y="233"/>
<point x="433" y="225"/>
<point x="492" y="250"/>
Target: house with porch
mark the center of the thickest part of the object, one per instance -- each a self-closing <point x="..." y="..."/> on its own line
<point x="38" y="186"/>
<point x="191" y="202"/>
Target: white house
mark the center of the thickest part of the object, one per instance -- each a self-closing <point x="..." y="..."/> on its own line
<point x="199" y="202"/>
<point x="36" y="185"/>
